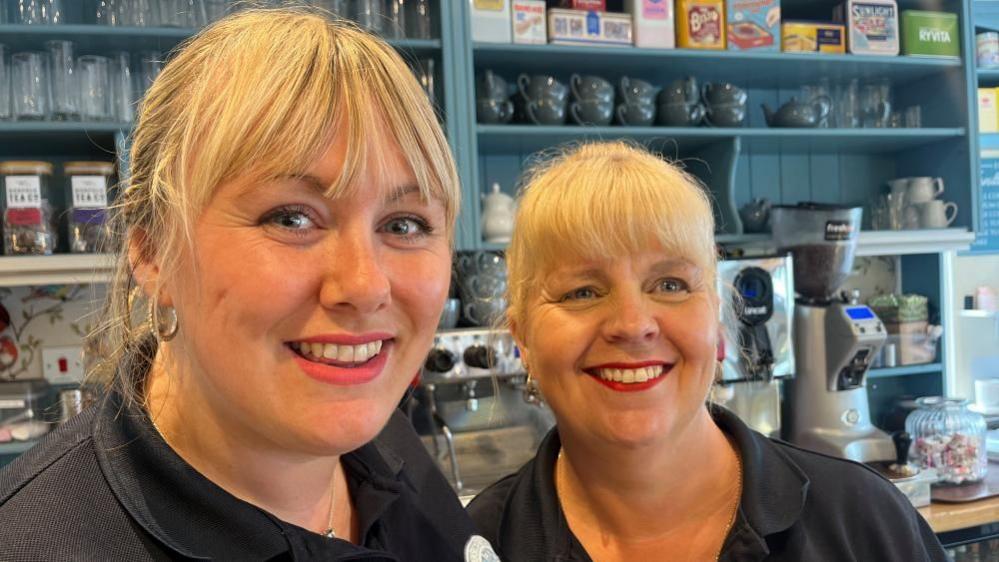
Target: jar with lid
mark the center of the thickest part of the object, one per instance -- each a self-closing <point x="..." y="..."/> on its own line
<point x="28" y="226"/>
<point x="87" y="203"/>
<point x="948" y="437"/>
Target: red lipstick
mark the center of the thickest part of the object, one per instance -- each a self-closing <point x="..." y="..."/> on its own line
<point x="629" y="387"/>
<point x="342" y="374"/>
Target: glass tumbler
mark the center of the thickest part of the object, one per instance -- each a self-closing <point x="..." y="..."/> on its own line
<point x="368" y="14"/>
<point x="4" y="85"/>
<point x="29" y="86"/>
<point x="150" y="65"/>
<point x="338" y="7"/>
<point x="95" y="101"/>
<point x="948" y="437"/>
<point x="418" y="20"/>
<point x="62" y="79"/>
<point x="395" y="19"/>
<point x="875" y="104"/>
<point x="122" y="109"/>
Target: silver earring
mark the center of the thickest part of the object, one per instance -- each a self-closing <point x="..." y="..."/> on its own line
<point x="532" y="394"/>
<point x="163" y="332"/>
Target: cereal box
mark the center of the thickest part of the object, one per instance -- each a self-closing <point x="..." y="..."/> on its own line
<point x="753" y="24"/>
<point x="872" y="26"/>
<point x="654" y="26"/>
<point x="811" y="37"/>
<point x="700" y="24"/>
<point x="529" y="22"/>
<point x="576" y="27"/>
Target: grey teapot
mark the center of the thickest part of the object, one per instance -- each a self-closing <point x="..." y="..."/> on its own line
<point x="799" y="114"/>
<point x="755" y="215"/>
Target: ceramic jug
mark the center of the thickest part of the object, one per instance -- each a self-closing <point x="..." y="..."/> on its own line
<point x="497" y="216"/>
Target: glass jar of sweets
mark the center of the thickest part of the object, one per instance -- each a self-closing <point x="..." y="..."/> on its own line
<point x="28" y="225"/>
<point x="948" y="437"/>
<point x="87" y="201"/>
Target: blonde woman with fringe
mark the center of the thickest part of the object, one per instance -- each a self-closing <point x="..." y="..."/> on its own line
<point x="612" y="302"/>
<point x="284" y="245"/>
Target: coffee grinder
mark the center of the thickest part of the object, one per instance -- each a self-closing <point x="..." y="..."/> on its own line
<point x="834" y="340"/>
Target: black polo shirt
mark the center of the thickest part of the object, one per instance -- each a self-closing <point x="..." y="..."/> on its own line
<point x="796" y="505"/>
<point x="105" y="486"/>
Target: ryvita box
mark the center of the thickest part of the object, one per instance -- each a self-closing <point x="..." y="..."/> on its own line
<point x="930" y="34"/>
<point x="753" y="24"/>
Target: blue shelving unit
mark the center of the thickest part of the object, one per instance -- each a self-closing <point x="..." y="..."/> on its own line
<point x="15" y="447"/>
<point x="905" y="370"/>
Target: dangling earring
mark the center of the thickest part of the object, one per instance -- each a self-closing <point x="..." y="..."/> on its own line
<point x="162" y="332"/>
<point x="532" y="394"/>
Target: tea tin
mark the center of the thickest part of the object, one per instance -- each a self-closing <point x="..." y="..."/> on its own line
<point x="872" y="26"/>
<point x="987" y="47"/>
<point x="753" y="24"/>
<point x="700" y="24"/>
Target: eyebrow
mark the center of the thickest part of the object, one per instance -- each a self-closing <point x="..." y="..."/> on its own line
<point x="320" y="186"/>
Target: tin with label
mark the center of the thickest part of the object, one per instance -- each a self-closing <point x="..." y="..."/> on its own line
<point x="753" y="24"/>
<point x="700" y="24"/>
<point x="987" y="47"/>
<point x="872" y="26"/>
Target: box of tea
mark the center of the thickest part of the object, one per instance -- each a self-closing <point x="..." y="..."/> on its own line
<point x="753" y="24"/>
<point x="812" y="37"/>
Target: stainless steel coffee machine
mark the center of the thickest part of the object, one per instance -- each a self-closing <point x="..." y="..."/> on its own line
<point x="757" y="296"/>
<point x="834" y="339"/>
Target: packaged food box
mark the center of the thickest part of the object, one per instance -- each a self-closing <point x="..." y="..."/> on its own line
<point x="812" y="37"/>
<point x="654" y="23"/>
<point x="930" y="34"/>
<point x="753" y="24"/>
<point x="576" y="27"/>
<point x="987" y="49"/>
<point x="700" y="24"/>
<point x="586" y="5"/>
<point x="529" y="22"/>
<point x="872" y="26"/>
<point x="988" y="113"/>
<point x="491" y="21"/>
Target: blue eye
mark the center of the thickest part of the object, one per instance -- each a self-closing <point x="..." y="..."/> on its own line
<point x="407" y="227"/>
<point x="581" y="293"/>
<point x="290" y="218"/>
<point x="672" y="285"/>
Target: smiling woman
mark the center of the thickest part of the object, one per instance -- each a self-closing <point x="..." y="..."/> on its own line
<point x="287" y="226"/>
<point x="612" y="302"/>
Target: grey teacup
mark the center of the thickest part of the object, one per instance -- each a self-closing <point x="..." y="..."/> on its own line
<point x="546" y="111"/>
<point x="635" y="91"/>
<point x="723" y="93"/>
<point x="592" y="112"/>
<point x="681" y="90"/>
<point x="636" y="114"/>
<point x="491" y="85"/>
<point x="492" y="111"/>
<point x="542" y="86"/>
<point x="726" y="115"/>
<point x="681" y="114"/>
<point x="591" y="88"/>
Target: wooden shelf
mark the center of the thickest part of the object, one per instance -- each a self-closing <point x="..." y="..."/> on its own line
<point x="747" y="68"/>
<point x="530" y="138"/>
<point x="15" y="447"/>
<point x="100" y="39"/>
<point x="54" y="270"/>
<point x="904" y="370"/>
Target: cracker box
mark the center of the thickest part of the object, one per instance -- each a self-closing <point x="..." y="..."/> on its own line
<point x="529" y="22"/>
<point x="872" y="26"/>
<point x="988" y="112"/>
<point x="654" y="25"/>
<point x="930" y="34"/>
<point x="753" y="24"/>
<point x="576" y="27"/>
<point x="491" y="21"/>
<point x="700" y="24"/>
<point x="812" y="37"/>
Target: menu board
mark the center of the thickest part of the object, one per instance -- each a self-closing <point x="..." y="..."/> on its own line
<point x="987" y="237"/>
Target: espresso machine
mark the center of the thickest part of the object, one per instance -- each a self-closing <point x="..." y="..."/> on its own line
<point x="834" y="339"/>
<point x="757" y="294"/>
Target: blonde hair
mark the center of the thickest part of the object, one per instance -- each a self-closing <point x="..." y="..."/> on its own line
<point x="605" y="199"/>
<point x="257" y="95"/>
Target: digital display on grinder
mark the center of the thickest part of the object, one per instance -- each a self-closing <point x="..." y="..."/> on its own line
<point x="860" y="313"/>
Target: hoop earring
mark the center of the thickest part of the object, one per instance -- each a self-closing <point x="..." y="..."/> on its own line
<point x="167" y="332"/>
<point x="532" y="394"/>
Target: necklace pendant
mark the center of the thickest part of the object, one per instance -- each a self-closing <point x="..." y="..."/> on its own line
<point x="328" y="533"/>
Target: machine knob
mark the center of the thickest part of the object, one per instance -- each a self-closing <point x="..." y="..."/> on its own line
<point x="440" y="360"/>
<point x="902" y="442"/>
<point x="480" y="356"/>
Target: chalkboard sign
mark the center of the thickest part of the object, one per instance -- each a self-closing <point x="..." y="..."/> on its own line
<point x="987" y="237"/>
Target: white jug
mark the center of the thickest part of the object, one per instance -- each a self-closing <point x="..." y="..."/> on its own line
<point x="497" y="216"/>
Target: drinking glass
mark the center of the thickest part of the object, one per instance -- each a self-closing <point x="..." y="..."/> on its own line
<point x="122" y="109"/>
<point x="150" y="65"/>
<point x="62" y="81"/>
<point x="395" y="19"/>
<point x="94" y="87"/>
<point x="814" y="91"/>
<point x="368" y="14"/>
<point x="138" y="13"/>
<point x="847" y="113"/>
<point x="108" y="12"/>
<point x="174" y="13"/>
<point x="28" y="12"/>
<point x="914" y="117"/>
<point x="875" y="103"/>
<point x="4" y="85"/>
<point x="338" y="7"/>
<point x="29" y="86"/>
<point x="419" y="19"/>
<point x="214" y="10"/>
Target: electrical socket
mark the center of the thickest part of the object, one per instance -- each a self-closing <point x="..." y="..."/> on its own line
<point x="61" y="365"/>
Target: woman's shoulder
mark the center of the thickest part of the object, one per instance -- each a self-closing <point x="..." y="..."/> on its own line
<point x="837" y="479"/>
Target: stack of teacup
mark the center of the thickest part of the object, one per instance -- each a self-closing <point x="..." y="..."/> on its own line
<point x="541" y="99"/>
<point x="680" y="105"/>
<point x="592" y="100"/>
<point x="482" y="285"/>
<point x="492" y="103"/>
<point x="724" y="104"/>
<point x="637" y="107"/>
<point x="913" y="203"/>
